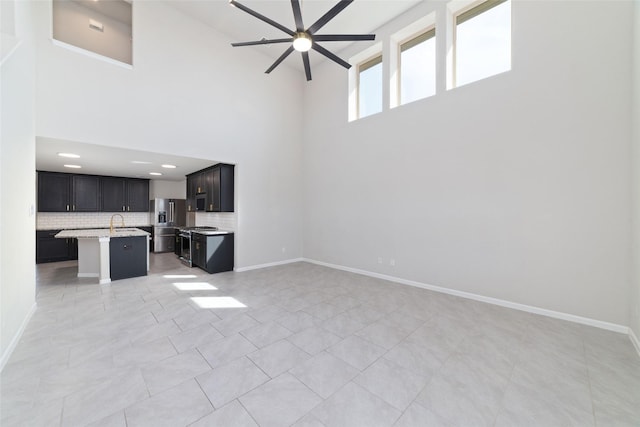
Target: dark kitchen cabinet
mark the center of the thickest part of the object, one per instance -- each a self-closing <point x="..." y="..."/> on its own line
<point x="125" y="194"/>
<point x="63" y="192"/>
<point x="54" y="192"/>
<point x="85" y="192"/>
<point x="199" y="250"/>
<point x="220" y="192"/>
<point x="213" y="253"/>
<point x="216" y="183"/>
<point x="137" y="195"/>
<point x="50" y="249"/>
<point x="199" y="182"/>
<point x="192" y="190"/>
<point x="114" y="193"/>
<point x="128" y="257"/>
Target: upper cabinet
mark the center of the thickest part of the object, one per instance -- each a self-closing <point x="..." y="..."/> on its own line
<point x="62" y="192"/>
<point x="220" y="192"/>
<point x="85" y="193"/>
<point x="125" y="194"/>
<point x="114" y="194"/>
<point x="137" y="195"/>
<point x="54" y="192"/>
<point x="215" y="184"/>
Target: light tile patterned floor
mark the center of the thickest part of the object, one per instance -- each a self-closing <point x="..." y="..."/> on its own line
<point x="308" y="346"/>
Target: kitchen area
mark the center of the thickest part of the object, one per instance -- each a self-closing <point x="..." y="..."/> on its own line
<point x="106" y="221"/>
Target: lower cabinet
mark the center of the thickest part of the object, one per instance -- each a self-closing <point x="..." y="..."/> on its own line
<point x="128" y="257"/>
<point x="199" y="250"/>
<point x="50" y="249"/>
<point x="214" y="254"/>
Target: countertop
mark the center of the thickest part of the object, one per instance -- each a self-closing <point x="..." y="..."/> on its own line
<point x="101" y="232"/>
<point x="213" y="232"/>
<point x="90" y="228"/>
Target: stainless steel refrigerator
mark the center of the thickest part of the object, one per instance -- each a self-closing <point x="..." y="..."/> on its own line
<point x="167" y="214"/>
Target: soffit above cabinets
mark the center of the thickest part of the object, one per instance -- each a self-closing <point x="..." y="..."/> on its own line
<point x="114" y="161"/>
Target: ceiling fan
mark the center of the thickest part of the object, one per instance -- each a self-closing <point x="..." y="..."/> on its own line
<point x="302" y="40"/>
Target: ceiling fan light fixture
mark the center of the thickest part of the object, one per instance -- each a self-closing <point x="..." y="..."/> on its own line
<point x="302" y="42"/>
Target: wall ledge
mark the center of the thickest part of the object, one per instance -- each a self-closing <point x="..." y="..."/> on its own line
<point x="10" y="44"/>
<point x="16" y="338"/>
<point x="634" y="340"/>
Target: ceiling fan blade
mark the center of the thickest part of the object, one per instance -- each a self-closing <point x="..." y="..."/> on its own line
<point x="329" y="16"/>
<point x="279" y="60"/>
<point x="307" y="66"/>
<point x="261" y="17"/>
<point x="343" y="37"/>
<point x="297" y="15"/>
<point x="330" y="55"/>
<point x="264" y="41"/>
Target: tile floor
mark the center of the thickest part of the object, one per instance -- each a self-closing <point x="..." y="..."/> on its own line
<point x="303" y="345"/>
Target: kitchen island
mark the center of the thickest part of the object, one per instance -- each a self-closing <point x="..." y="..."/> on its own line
<point x="110" y="254"/>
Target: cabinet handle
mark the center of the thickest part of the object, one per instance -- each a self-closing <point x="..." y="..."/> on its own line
<point x="67" y="208"/>
<point x="128" y="208"/>
<point x="123" y="209"/>
<point x="211" y="207"/>
<point x="74" y="207"/>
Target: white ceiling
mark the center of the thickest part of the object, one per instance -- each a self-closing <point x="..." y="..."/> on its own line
<point x="360" y="17"/>
<point x="112" y="161"/>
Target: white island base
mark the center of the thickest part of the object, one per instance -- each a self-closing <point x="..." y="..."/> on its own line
<point x="93" y="250"/>
<point x="93" y="258"/>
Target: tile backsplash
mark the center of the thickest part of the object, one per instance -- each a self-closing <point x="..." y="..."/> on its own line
<point x="71" y="220"/>
<point x="223" y="220"/>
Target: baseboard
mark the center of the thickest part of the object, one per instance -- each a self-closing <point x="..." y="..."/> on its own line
<point x="270" y="264"/>
<point x="503" y="303"/>
<point x="634" y="339"/>
<point x="14" y="342"/>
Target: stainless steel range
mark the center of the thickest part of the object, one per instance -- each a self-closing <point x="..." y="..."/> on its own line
<point x="183" y="240"/>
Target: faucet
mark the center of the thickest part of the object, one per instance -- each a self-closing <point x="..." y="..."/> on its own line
<point x="111" y="222"/>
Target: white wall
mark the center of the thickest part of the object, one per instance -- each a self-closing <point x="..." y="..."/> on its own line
<point x="515" y="187"/>
<point x="17" y="183"/>
<point x="634" y="300"/>
<point x="160" y="189"/>
<point x="71" y="25"/>
<point x="190" y="94"/>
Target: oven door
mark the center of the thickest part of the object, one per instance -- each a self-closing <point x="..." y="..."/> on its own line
<point x="185" y="248"/>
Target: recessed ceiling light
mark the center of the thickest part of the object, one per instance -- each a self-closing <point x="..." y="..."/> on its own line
<point x="169" y="166"/>
<point x="73" y="166"/>
<point x="155" y="173"/>
<point x="140" y="162"/>
<point x="70" y="155"/>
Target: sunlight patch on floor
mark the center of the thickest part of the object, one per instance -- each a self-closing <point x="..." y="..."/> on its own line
<point x="194" y="286"/>
<point x="217" y="302"/>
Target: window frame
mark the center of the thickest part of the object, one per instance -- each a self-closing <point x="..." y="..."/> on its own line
<point x="470" y="11"/>
<point x="364" y="66"/>
<point x="415" y="39"/>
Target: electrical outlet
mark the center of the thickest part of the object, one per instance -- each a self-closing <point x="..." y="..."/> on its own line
<point x="379" y="260"/>
<point x="392" y="262"/>
<point x="284" y="249"/>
